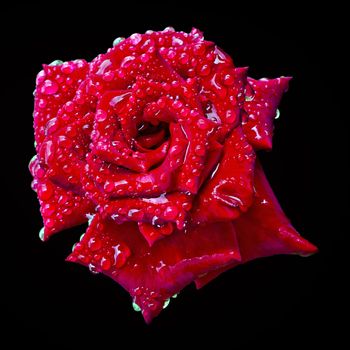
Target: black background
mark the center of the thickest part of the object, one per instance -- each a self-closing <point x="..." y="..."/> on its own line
<point x="284" y="300"/>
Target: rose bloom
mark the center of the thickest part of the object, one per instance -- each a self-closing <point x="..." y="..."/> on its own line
<point x="154" y="144"/>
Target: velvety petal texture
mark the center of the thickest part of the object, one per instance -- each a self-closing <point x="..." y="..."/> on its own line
<point x="263" y="230"/>
<point x="153" y="143"/>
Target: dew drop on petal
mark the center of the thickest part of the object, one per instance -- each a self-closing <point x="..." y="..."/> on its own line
<point x="94" y="243"/>
<point x="49" y="87"/>
<point x="90" y="218"/>
<point x="42" y="233"/>
<point x="67" y="67"/>
<point x="45" y="191"/>
<point x="169" y="30"/>
<point x="166" y="303"/>
<point x="136" y="307"/>
<point x="93" y="269"/>
<point x="101" y="115"/>
<point x="118" y="40"/>
<point x="135" y="38"/>
<point x="171" y="212"/>
<point x="105" y="263"/>
<point x="56" y="63"/>
<point x="277" y="114"/>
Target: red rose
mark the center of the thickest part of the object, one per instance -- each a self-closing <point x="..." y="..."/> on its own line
<point x="155" y="142"/>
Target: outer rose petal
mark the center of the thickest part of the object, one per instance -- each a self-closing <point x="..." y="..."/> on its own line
<point x="60" y="209"/>
<point x="153" y="274"/>
<point x="264" y="230"/>
<point x="56" y="85"/>
<point x="262" y="99"/>
<point x="229" y="191"/>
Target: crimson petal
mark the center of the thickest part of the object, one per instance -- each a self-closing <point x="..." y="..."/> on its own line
<point x="229" y="191"/>
<point x="60" y="209"/>
<point x="264" y="230"/>
<point x="56" y="85"/>
<point x="262" y="99"/>
<point x="153" y="274"/>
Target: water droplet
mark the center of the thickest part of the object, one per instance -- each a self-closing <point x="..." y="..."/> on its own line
<point x="166" y="303"/>
<point x="213" y="115"/>
<point x="169" y="30"/>
<point x="202" y="124"/>
<point x="138" y="290"/>
<point x="175" y="296"/>
<point x="171" y="212"/>
<point x="277" y="113"/>
<point x="144" y="58"/>
<point x="56" y="63"/>
<point x="49" y="87"/>
<point x="121" y="254"/>
<point x="115" y="100"/>
<point x="156" y="200"/>
<point x="42" y="234"/>
<point x="94" y="243"/>
<point x="104" y="65"/>
<point x="42" y="103"/>
<point x="93" y="269"/>
<point x="118" y="40"/>
<point x="257" y="133"/>
<point x="67" y="67"/>
<point x="228" y="80"/>
<point x="108" y="186"/>
<point x="105" y="263"/>
<point x="89" y="217"/>
<point x="33" y="159"/>
<point x="249" y="98"/>
<point x="200" y="150"/>
<point x="45" y="191"/>
<point x="40" y="77"/>
<point x="136" y="307"/>
<point x="204" y="70"/>
<point x="135" y="38"/>
<point x="101" y="115"/>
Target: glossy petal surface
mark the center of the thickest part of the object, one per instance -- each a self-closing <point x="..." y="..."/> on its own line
<point x="153" y="274"/>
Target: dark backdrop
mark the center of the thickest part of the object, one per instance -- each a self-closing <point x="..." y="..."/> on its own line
<point x="284" y="300"/>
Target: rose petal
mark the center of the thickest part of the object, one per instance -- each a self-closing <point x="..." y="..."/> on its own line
<point x="153" y="274"/>
<point x="120" y="182"/>
<point x="55" y="86"/>
<point x="63" y="152"/>
<point x="262" y="99"/>
<point x="166" y="208"/>
<point x="114" y="130"/>
<point x="263" y="230"/>
<point x="229" y="191"/>
<point x="60" y="209"/>
<point x="223" y="94"/>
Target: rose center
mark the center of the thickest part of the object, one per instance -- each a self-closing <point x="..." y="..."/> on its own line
<point x="152" y="135"/>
